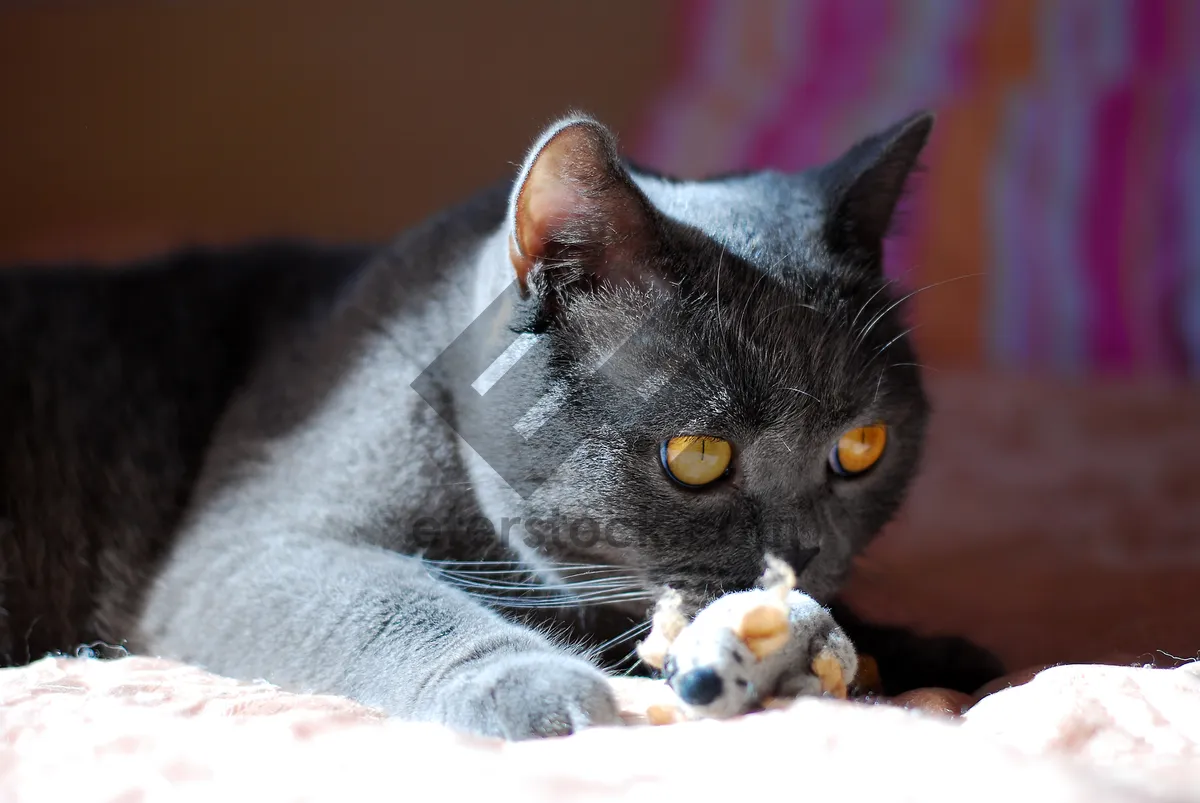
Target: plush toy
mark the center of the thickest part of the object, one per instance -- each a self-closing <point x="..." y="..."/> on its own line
<point x="747" y="650"/>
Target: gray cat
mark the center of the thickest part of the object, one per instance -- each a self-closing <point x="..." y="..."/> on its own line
<point x="449" y="476"/>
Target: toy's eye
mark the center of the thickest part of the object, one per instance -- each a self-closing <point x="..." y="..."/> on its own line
<point x="858" y="450"/>
<point x="696" y="460"/>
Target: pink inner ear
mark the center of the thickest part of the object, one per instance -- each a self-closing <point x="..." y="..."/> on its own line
<point x="576" y="193"/>
<point x="550" y="196"/>
<point x="547" y="203"/>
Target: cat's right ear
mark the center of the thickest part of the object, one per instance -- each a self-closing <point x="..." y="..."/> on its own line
<point x="863" y="187"/>
<point x="576" y="218"/>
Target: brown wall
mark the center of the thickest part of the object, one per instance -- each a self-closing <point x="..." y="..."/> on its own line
<point x="128" y="126"/>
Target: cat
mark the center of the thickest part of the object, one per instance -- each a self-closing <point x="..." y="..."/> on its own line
<point x="448" y="475"/>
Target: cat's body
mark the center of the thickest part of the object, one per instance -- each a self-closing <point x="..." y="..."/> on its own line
<point x="231" y="458"/>
<point x="113" y="382"/>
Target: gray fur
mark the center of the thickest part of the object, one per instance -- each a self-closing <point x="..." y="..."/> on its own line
<point x="266" y="510"/>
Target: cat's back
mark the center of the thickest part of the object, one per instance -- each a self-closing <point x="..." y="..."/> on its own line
<point x="111" y="381"/>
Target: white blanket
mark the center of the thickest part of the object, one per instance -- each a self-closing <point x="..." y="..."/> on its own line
<point x="145" y="730"/>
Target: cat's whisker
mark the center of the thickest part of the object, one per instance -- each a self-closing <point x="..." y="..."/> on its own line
<point x="879" y="352"/>
<point x="499" y="579"/>
<point x="720" y="259"/>
<point x="867" y="303"/>
<point x="601" y="597"/>
<point x="564" y="601"/>
<point x="587" y="585"/>
<point x="881" y="315"/>
<point x="893" y="341"/>
<point x="633" y="632"/>
<point x="570" y="572"/>
<point x="787" y="307"/>
<point x="750" y="299"/>
<point x="535" y="583"/>
<point x="622" y="584"/>
<point x="505" y="562"/>
<point x="637" y="660"/>
<point x="590" y="570"/>
<point x="783" y="258"/>
<point x="518" y="565"/>
<point x="805" y="393"/>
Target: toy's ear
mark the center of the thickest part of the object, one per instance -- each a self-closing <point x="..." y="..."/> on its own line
<point x="778" y="577"/>
<point x="668" y="623"/>
<point x="765" y="628"/>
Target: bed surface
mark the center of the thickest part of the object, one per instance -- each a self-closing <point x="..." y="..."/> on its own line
<point x="143" y="730"/>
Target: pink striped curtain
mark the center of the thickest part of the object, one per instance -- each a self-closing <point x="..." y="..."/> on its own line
<point x="1058" y="221"/>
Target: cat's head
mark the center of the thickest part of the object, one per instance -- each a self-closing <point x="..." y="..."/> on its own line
<point x="721" y="368"/>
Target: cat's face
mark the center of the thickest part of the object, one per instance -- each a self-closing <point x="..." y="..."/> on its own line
<point x="731" y="372"/>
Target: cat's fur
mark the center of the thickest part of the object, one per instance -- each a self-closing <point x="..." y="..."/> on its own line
<point x="231" y="458"/>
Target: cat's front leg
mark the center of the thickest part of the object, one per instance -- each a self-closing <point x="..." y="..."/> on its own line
<point x="325" y="616"/>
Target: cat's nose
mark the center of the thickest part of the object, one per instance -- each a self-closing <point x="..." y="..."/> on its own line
<point x="799" y="557"/>
<point x="698" y="687"/>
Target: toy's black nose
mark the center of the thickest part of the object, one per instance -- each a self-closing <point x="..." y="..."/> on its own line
<point x="698" y="687"/>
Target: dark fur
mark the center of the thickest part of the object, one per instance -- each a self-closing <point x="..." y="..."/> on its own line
<point x="114" y="381"/>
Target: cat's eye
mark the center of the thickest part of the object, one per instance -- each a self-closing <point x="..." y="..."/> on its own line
<point x="858" y="450"/>
<point x="696" y="460"/>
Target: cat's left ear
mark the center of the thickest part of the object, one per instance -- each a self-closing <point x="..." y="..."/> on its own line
<point x="862" y="188"/>
<point x="575" y="216"/>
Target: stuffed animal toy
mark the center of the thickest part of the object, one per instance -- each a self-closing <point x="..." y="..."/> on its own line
<point x="748" y="650"/>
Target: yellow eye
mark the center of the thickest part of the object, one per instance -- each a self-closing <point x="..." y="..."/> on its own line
<point x="696" y="459"/>
<point x="858" y="450"/>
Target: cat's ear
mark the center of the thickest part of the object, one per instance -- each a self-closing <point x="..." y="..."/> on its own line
<point x="862" y="188"/>
<point x="575" y="215"/>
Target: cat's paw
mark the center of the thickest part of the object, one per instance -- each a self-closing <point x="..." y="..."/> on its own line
<point x="749" y="648"/>
<point x="527" y="696"/>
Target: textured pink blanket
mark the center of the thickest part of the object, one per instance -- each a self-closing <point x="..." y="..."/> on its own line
<point x="145" y="730"/>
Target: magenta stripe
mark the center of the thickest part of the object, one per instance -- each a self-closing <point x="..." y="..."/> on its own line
<point x="1143" y="242"/>
<point x="962" y="54"/>
<point x="1171" y="279"/>
<point x="1107" y="327"/>
<point x="844" y="41"/>
<point x="768" y="147"/>
<point x="1151" y="51"/>
<point x="789" y="41"/>
<point x="1147" y="175"/>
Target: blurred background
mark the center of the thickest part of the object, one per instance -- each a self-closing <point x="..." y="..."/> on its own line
<point x="1057" y="223"/>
